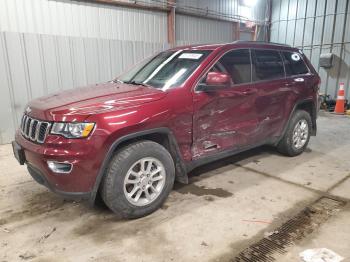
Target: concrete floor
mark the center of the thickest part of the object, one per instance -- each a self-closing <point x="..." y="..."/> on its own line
<point x="227" y="206"/>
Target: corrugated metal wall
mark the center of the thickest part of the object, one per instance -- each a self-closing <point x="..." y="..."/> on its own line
<point x="50" y="45"/>
<point x="47" y="46"/>
<point x="193" y="30"/>
<point x="33" y="65"/>
<point x="317" y="27"/>
<point x="228" y="7"/>
<point x="79" y="19"/>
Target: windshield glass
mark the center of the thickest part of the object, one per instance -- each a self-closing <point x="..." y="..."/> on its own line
<point x="165" y="70"/>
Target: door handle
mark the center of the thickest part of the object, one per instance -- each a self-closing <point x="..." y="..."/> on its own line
<point x="288" y="84"/>
<point x="248" y="92"/>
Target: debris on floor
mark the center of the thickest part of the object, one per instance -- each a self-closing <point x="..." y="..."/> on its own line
<point x="27" y="255"/>
<point x="257" y="221"/>
<point x="204" y="244"/>
<point x="267" y="234"/>
<point x="6" y="230"/>
<point x="320" y="255"/>
<point x="46" y="235"/>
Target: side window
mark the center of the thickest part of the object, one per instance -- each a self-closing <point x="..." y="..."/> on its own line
<point x="294" y="64"/>
<point x="237" y="65"/>
<point x="216" y="68"/>
<point x="267" y="64"/>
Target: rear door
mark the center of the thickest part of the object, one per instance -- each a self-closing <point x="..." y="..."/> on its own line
<point x="269" y="80"/>
<point x="298" y="78"/>
<point x="226" y="118"/>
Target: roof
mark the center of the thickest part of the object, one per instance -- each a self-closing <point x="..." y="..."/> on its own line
<point x="239" y="42"/>
<point x="260" y="43"/>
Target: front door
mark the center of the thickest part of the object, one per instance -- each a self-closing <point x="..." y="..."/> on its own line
<point x="225" y="119"/>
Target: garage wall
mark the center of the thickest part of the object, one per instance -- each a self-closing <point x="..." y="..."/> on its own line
<point x="193" y="30"/>
<point x="317" y="27"/>
<point x="227" y="8"/>
<point x="51" y="45"/>
<point x="190" y="30"/>
<point x="33" y="65"/>
<point x="79" y="19"/>
<point x="46" y="46"/>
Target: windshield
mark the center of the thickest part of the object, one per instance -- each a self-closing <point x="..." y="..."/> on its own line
<point x="165" y="70"/>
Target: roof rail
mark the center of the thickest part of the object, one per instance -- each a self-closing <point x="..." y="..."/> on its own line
<point x="259" y="42"/>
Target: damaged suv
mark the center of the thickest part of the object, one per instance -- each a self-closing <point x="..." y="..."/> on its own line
<point x="130" y="139"/>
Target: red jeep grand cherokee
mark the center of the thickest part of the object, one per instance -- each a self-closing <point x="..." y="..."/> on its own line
<point x="130" y="138"/>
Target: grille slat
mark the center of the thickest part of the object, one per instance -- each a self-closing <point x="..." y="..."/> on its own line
<point x="30" y="131"/>
<point x="34" y="129"/>
<point x="44" y="128"/>
<point x="25" y="126"/>
<point x="37" y="131"/>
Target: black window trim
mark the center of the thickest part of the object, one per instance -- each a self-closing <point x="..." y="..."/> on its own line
<point x="204" y="72"/>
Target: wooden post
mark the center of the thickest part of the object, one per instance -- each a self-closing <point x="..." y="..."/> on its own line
<point x="236" y="30"/>
<point x="171" y="23"/>
<point x="255" y="32"/>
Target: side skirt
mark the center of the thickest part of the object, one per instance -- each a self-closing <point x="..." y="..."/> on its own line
<point x="220" y="155"/>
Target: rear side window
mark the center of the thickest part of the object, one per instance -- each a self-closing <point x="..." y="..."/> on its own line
<point x="294" y="64"/>
<point x="267" y="64"/>
<point x="237" y="65"/>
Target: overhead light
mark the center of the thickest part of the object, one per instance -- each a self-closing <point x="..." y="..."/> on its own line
<point x="249" y="3"/>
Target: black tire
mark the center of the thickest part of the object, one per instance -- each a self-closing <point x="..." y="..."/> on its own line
<point x="286" y="146"/>
<point x="112" y="191"/>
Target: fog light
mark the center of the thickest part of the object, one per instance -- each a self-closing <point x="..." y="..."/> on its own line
<point x="59" y="167"/>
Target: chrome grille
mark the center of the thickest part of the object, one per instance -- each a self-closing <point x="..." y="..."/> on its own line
<point x="33" y="129"/>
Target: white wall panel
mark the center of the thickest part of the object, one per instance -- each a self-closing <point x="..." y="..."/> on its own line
<point x="228" y="7"/>
<point x="79" y="19"/>
<point x="199" y="30"/>
<point x="33" y="65"/>
<point x="6" y="97"/>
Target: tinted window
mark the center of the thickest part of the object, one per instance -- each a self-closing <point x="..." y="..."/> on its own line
<point x="237" y="64"/>
<point x="294" y="64"/>
<point x="267" y="65"/>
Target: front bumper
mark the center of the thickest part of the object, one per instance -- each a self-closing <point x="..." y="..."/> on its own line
<point x="85" y="155"/>
<point x="41" y="179"/>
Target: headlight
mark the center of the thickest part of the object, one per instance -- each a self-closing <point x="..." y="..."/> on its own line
<point x="72" y="130"/>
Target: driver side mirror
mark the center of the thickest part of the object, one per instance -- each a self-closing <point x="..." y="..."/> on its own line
<point x="215" y="81"/>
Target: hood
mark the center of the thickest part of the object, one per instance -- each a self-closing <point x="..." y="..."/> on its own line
<point x="84" y="101"/>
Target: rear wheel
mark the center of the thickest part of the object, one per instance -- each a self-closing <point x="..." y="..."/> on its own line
<point x="297" y="135"/>
<point x="139" y="179"/>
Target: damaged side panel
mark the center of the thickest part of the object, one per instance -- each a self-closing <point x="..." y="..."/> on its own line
<point x="224" y="119"/>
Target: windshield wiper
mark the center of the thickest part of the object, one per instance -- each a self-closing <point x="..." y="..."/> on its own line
<point x="137" y="83"/>
<point x="117" y="81"/>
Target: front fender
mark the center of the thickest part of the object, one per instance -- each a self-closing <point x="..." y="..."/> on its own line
<point x="181" y="172"/>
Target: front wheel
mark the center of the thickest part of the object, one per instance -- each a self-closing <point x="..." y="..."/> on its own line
<point x="297" y="135"/>
<point x="139" y="179"/>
